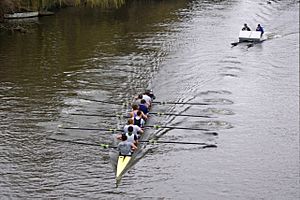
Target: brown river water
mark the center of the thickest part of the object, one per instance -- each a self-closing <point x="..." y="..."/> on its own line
<point x="182" y="50"/>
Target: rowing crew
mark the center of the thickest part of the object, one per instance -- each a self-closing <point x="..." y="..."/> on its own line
<point x="134" y="128"/>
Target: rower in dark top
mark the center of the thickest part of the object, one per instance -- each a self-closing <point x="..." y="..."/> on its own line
<point x="135" y="109"/>
<point x="246" y="28"/>
<point x="138" y="119"/>
<point x="143" y="106"/>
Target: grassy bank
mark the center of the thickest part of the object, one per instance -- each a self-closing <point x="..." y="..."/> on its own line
<point x="11" y="6"/>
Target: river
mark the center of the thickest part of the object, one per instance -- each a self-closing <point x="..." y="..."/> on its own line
<point x="182" y="50"/>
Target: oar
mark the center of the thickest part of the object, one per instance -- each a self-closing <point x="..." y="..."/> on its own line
<point x="91" y="129"/>
<point x="108" y="102"/>
<point x="105" y="146"/>
<point x="173" y="142"/>
<point x="152" y="113"/>
<point x="176" y="127"/>
<point x="182" y="103"/>
<point x="150" y="126"/>
<point x="125" y="103"/>
<point x="175" y="114"/>
<point x="98" y="115"/>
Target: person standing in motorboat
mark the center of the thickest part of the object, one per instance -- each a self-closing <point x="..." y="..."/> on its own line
<point x="260" y="28"/>
<point x="246" y="28"/>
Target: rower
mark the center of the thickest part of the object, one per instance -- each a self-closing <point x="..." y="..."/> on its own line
<point x="125" y="147"/>
<point x="144" y="107"/>
<point x="131" y="136"/>
<point x="147" y="97"/>
<point x="138" y="99"/>
<point x="135" y="109"/>
<point x="136" y="129"/>
<point x="138" y="119"/>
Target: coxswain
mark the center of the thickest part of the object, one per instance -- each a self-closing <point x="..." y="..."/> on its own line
<point x="136" y="129"/>
<point x="125" y="147"/>
<point x="259" y="28"/>
<point x="246" y="28"/>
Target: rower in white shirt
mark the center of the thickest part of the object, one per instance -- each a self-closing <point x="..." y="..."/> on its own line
<point x="136" y="129"/>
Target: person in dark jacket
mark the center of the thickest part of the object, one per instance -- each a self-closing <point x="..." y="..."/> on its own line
<point x="246" y="28"/>
<point x="259" y="28"/>
<point x="143" y="107"/>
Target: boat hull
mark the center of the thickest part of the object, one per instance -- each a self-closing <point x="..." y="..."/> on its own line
<point x="250" y="36"/>
<point x="21" y="15"/>
<point x="122" y="164"/>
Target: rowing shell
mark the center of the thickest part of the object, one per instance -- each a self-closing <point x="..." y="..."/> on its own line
<point x="125" y="162"/>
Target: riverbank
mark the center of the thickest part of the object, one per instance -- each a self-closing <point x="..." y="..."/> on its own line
<point x="14" y="6"/>
<point x="17" y="9"/>
<point x="23" y="8"/>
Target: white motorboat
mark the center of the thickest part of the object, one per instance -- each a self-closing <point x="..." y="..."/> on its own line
<point x="250" y="36"/>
